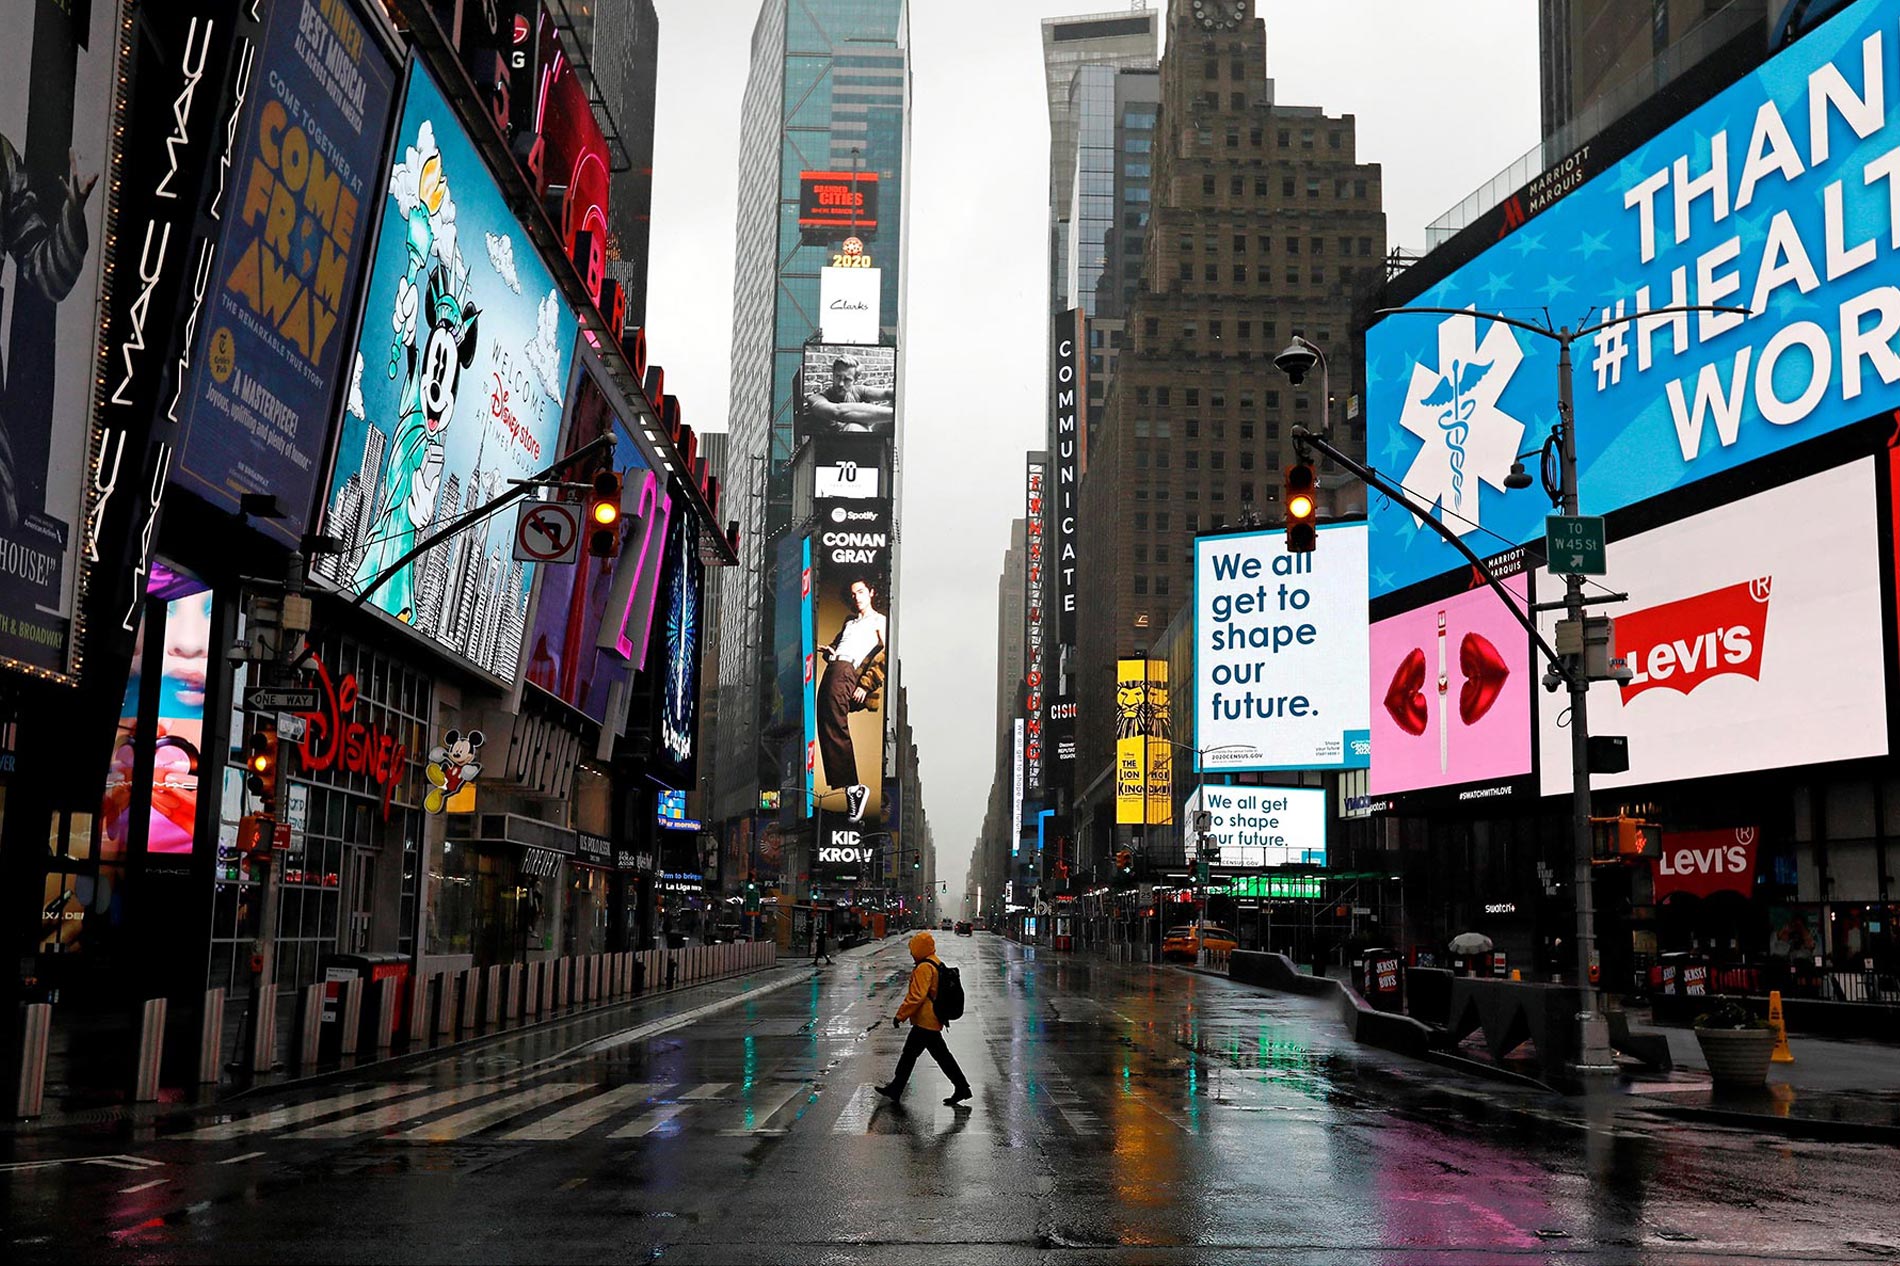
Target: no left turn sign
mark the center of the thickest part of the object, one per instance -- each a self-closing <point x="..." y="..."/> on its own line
<point x="548" y="532"/>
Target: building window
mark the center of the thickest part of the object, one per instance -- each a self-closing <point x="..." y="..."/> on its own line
<point x="1207" y="184"/>
<point x="1292" y="276"/>
<point x="1162" y="459"/>
<point x="1236" y="101"/>
<point x="1253" y="138"/>
<point x="1358" y="188"/>
<point x="1319" y="246"/>
<point x="1236" y="186"/>
<point x="1194" y="459"/>
<point x="1161" y="396"/>
<point x="1332" y="140"/>
<point x="1211" y="272"/>
<point x="1162" y="429"/>
<point x="1365" y="246"/>
<point x="1141" y="584"/>
<point x="1161" y="582"/>
<point x="1161" y="521"/>
<point x="1266" y="244"/>
<point x="1220" y="429"/>
<point x="1218" y="460"/>
<point x="1218" y="494"/>
<point x="1141" y="552"/>
<point x="1141" y="428"/>
<point x="1240" y="272"/>
<point x="1312" y="186"/>
<point x="1216" y="398"/>
<point x="1246" y="492"/>
<point x="1285" y="138"/>
<point x="1286" y="187"/>
<point x="1246" y="458"/>
<point x="1233" y="138"/>
<point x="1246" y="430"/>
<point x="1260" y="186"/>
<point x="1345" y="246"/>
<point x="1193" y="397"/>
<point x="1273" y="430"/>
<point x="1210" y="70"/>
<point x="1293" y="246"/>
<point x="1306" y="138"/>
<point x="1193" y="426"/>
<point x="1246" y="331"/>
<point x="1151" y="327"/>
<point x="1194" y="523"/>
<point x="1273" y="400"/>
<point x="1141" y="520"/>
<point x="1246" y="397"/>
<point x="1187" y="271"/>
<point x="1240" y="243"/>
<point x="1237" y="71"/>
<point x="1141" y="459"/>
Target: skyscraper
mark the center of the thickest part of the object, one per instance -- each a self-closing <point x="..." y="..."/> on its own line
<point x="828" y="90"/>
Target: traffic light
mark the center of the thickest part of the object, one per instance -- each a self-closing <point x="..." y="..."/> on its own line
<point x="260" y="763"/>
<point x="1124" y="864"/>
<point x="1301" y="500"/>
<point x="603" y="515"/>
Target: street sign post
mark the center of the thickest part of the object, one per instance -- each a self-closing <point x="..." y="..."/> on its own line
<point x="281" y="699"/>
<point x="1574" y="545"/>
<point x="548" y="532"/>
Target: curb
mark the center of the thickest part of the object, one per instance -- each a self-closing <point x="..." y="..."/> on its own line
<point x="1792" y="1127"/>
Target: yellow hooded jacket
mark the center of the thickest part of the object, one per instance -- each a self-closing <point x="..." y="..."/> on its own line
<point x="918" y="1006"/>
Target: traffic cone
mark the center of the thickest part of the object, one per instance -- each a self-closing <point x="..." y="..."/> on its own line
<point x="1516" y="974"/>
<point x="1782" y="1054"/>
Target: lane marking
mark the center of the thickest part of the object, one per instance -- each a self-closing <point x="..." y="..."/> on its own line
<point x="650" y="1122"/>
<point x="655" y="1028"/>
<point x="144" y="1186"/>
<point x="711" y="1090"/>
<point x="238" y="1159"/>
<point x="302" y="1112"/>
<point x="103" y="1162"/>
<point x="586" y="1114"/>
<point x="463" y="1124"/>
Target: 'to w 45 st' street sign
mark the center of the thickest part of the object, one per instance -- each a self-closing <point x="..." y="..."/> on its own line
<point x="1574" y="545"/>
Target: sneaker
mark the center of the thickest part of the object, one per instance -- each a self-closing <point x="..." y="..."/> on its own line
<point x="855" y="798"/>
<point x="958" y="1097"/>
<point x="889" y="1092"/>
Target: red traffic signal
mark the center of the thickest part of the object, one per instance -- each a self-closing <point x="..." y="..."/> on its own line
<point x="1301" y="500"/>
<point x="603" y="515"/>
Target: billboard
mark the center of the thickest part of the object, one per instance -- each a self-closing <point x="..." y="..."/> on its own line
<point x="1451" y="692"/>
<point x="1753" y="637"/>
<point x="1774" y="196"/>
<point x="850" y="585"/>
<point x="574" y="154"/>
<point x="845" y="390"/>
<point x="56" y="157"/>
<point x="1703" y="863"/>
<point x="849" y="304"/>
<point x="458" y="387"/>
<point x="574" y="598"/>
<point x="1280" y="651"/>
<point x="674" y="654"/>
<point x="296" y="211"/>
<point x="1144" y="752"/>
<point x="842" y="200"/>
<point x="1034" y="673"/>
<point x="1256" y="827"/>
<point x="1016" y="789"/>
<point x="1067" y="397"/>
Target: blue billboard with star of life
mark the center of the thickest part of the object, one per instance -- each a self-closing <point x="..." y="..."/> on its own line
<point x="1779" y="195"/>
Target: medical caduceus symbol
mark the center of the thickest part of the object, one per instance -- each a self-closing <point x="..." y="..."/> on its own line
<point x="1453" y="408"/>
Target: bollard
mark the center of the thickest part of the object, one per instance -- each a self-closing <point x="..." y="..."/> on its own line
<point x="151" y="1051"/>
<point x="264" y="1032"/>
<point x="1782" y="1054"/>
<point x="350" y="1017"/>
<point x="445" y="1003"/>
<point x="386" y="991"/>
<point x="557" y="985"/>
<point x="210" y="1036"/>
<point x="531" y="999"/>
<point x="309" y="1026"/>
<point x="470" y="989"/>
<point x="510" y="994"/>
<point x="596" y="977"/>
<point x="418" y="1031"/>
<point x="491" y="997"/>
<point x="36" y="1029"/>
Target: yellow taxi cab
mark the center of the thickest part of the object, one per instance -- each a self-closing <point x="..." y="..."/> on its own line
<point x="1188" y="940"/>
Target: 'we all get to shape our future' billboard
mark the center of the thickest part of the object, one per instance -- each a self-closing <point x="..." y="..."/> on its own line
<point x="1778" y="195"/>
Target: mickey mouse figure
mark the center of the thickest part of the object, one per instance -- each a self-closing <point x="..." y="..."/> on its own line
<point x="451" y="768"/>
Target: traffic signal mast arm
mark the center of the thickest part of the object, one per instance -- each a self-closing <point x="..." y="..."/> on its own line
<point x="1303" y="439"/>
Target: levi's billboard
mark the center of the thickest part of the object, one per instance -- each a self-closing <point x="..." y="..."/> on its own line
<point x="1780" y="195"/>
<point x="1752" y="635"/>
<point x="1702" y="863"/>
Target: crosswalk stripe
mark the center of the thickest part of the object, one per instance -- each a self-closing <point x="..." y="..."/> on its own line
<point x="280" y="1117"/>
<point x="584" y="1115"/>
<point x="711" y="1090"/>
<point x="396" y="1113"/>
<point x="650" y="1122"/>
<point x="857" y="1112"/>
<point x="766" y="1103"/>
<point x="467" y="1122"/>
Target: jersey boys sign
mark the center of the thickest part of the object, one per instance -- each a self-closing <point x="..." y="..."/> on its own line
<point x="1779" y="196"/>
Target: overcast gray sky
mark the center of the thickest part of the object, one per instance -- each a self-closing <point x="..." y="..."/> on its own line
<point x="1445" y="92"/>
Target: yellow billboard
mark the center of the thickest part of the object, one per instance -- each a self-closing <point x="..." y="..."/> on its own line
<point x="1144" y="758"/>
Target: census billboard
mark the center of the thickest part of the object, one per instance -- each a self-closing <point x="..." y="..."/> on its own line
<point x="1451" y="692"/>
<point x="1777" y="195"/>
<point x="1280" y="651"/>
<point x="458" y="385"/>
<point x="1254" y="827"/>
<point x="1752" y="635"/>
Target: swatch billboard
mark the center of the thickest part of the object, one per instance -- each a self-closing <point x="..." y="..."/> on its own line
<point x="458" y="386"/>
<point x="1776" y="196"/>
<point x="1753" y="635"/>
<point x="1451" y="692"/>
<point x="297" y="221"/>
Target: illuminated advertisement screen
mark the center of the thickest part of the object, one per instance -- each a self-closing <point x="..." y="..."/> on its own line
<point x="1774" y="196"/>
<point x="674" y="655"/>
<point x="274" y="333"/>
<point x="574" y="155"/>
<point x="1144" y="752"/>
<point x="457" y="387"/>
<point x="1753" y="638"/>
<point x="852" y="657"/>
<point x="1451" y="692"/>
<point x="842" y="200"/>
<point x="843" y="389"/>
<point x="1280" y="651"/>
<point x="1255" y="827"/>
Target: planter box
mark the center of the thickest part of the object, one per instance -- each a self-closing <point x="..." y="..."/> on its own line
<point x="1738" y="1058"/>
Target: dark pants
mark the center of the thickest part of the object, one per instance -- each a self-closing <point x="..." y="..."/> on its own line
<point x="839" y="683"/>
<point x="919" y="1041"/>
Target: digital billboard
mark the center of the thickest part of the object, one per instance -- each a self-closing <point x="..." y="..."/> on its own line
<point x="1256" y="827"/>
<point x="1280" y="651"/>
<point x="1776" y="195"/>
<point x="842" y="200"/>
<point x="1034" y="670"/>
<point x="55" y="158"/>
<point x="1753" y="638"/>
<point x="849" y="303"/>
<point x="1144" y="749"/>
<point x="574" y="156"/>
<point x="843" y="389"/>
<point x="674" y="654"/>
<point x="1451" y="692"/>
<point x="850" y="605"/>
<point x="297" y="215"/>
<point x="458" y="387"/>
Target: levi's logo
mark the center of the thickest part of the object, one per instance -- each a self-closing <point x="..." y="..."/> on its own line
<point x="1679" y="645"/>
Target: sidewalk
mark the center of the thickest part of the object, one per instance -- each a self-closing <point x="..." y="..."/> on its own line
<point x="1837" y="1088"/>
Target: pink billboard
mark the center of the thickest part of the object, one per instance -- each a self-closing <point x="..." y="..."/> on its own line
<point x="1451" y="693"/>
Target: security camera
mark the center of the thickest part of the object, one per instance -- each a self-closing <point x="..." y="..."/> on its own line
<point x="1296" y="362"/>
<point x="1553" y="680"/>
<point x="1620" y="671"/>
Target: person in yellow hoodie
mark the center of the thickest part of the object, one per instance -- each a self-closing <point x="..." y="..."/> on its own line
<point x="926" y="1031"/>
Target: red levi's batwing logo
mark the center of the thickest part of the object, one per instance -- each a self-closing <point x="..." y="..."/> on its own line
<point x="1681" y="644"/>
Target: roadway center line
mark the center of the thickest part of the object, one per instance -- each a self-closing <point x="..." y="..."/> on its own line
<point x="144" y="1186"/>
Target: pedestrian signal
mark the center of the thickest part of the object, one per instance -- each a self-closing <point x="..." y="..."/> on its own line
<point x="1301" y="500"/>
<point x="603" y="516"/>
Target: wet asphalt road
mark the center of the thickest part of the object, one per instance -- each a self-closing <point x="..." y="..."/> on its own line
<point x="1123" y="1114"/>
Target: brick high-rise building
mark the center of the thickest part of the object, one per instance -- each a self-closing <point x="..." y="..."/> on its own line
<point x="1264" y="223"/>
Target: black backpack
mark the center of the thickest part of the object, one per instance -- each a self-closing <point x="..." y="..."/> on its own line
<point x="947" y="1001"/>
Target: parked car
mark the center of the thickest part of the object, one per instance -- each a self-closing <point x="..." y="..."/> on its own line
<point x="1188" y="940"/>
<point x="963" y="927"/>
<point x="945" y="926"/>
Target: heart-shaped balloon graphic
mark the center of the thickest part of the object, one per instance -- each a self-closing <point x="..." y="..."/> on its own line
<point x="1484" y="671"/>
<point x="1403" y="698"/>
